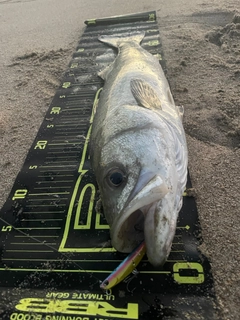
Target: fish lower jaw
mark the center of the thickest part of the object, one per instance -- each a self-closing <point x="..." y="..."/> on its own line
<point x="127" y="235"/>
<point x="159" y="231"/>
<point x="127" y="231"/>
<point x="142" y="225"/>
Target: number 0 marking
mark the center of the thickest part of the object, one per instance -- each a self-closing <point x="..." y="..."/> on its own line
<point x="183" y="266"/>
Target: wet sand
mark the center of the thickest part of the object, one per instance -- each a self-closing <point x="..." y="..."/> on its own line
<point x="201" y="43"/>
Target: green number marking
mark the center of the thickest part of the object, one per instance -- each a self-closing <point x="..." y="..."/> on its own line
<point x="6" y="228"/>
<point x="188" y="266"/>
<point x="91" y="21"/>
<point x="74" y="65"/>
<point x="20" y="194"/>
<point x="66" y="85"/>
<point x="153" y="43"/>
<point x="55" y="110"/>
<point x="33" y="167"/>
<point x="151" y="17"/>
<point x="41" y="144"/>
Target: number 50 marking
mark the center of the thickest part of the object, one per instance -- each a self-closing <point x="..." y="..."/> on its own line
<point x="188" y="267"/>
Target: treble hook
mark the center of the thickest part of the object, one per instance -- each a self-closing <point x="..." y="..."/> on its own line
<point x="129" y="278"/>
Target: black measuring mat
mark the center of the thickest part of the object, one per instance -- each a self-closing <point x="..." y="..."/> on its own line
<point x="55" y="248"/>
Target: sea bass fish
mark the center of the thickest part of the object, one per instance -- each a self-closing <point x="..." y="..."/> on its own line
<point x="138" y="151"/>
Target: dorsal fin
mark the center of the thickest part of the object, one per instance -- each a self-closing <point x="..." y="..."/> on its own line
<point x="144" y="94"/>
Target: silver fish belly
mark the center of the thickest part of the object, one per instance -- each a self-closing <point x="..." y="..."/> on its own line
<point x="138" y="151"/>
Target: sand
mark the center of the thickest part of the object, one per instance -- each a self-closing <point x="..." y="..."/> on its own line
<point x="201" y="42"/>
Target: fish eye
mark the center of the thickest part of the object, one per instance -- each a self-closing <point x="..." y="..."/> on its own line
<point x="115" y="177"/>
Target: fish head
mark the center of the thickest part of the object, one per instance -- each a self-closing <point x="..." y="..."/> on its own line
<point x="137" y="179"/>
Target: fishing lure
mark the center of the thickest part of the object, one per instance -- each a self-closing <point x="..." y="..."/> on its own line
<point x="125" y="267"/>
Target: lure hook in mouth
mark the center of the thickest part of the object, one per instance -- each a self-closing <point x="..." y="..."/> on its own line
<point x="125" y="268"/>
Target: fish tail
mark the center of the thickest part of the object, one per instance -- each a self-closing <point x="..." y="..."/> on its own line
<point x="117" y="41"/>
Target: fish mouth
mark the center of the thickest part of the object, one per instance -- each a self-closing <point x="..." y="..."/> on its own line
<point x="138" y="220"/>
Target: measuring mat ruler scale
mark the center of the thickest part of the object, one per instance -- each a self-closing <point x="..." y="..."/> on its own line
<point x="55" y="245"/>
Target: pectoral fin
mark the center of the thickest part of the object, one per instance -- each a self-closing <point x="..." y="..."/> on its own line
<point x="104" y="73"/>
<point x="181" y="111"/>
<point x="145" y="95"/>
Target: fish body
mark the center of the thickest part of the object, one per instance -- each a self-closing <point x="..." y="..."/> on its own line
<point x="138" y="151"/>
